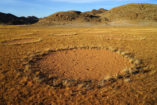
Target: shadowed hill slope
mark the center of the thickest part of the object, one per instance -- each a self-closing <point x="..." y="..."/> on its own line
<point x="131" y="13"/>
<point x="96" y="12"/>
<point x="14" y="20"/>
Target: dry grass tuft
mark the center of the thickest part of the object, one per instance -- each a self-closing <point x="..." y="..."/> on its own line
<point x="126" y="71"/>
<point x="127" y="80"/>
<point x="108" y="77"/>
<point x="137" y="62"/>
<point x="27" y="67"/>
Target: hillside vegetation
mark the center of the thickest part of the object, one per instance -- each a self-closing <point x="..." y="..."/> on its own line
<point x="70" y="17"/>
<point x="131" y="12"/>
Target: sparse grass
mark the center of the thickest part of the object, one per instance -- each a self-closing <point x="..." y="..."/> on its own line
<point x="108" y="77"/>
<point x="113" y="49"/>
<point x="127" y="80"/>
<point x="118" y="76"/>
<point x="27" y="67"/>
<point x="30" y="91"/>
<point x="131" y="60"/>
<point x="137" y="61"/>
<point x="126" y="71"/>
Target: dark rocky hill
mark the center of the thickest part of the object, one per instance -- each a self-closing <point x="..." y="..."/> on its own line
<point x="14" y="20"/>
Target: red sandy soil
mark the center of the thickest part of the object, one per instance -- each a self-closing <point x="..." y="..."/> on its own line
<point x="83" y="64"/>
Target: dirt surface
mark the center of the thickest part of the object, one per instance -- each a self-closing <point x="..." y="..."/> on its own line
<point x="83" y="64"/>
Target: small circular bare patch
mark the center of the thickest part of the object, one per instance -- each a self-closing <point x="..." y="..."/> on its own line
<point x="21" y="41"/>
<point x="82" y="64"/>
<point x="64" y="34"/>
<point x="123" y="37"/>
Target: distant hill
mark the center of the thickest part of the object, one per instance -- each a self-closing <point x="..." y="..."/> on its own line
<point x="138" y="12"/>
<point x="71" y="17"/>
<point x="14" y="20"/>
<point x="132" y="12"/>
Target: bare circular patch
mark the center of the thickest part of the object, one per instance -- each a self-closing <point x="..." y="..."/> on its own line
<point x="82" y="64"/>
<point x="64" y="34"/>
<point x="123" y="37"/>
<point x="21" y="41"/>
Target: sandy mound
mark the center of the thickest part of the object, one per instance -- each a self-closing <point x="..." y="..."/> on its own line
<point x="83" y="64"/>
<point x="21" y="41"/>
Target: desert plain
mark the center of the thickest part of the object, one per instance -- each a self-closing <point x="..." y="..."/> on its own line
<point x="34" y="64"/>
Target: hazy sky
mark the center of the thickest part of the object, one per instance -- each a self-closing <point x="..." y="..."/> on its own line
<point x="42" y="8"/>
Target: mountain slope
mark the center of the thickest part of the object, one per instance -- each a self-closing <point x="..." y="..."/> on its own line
<point x="139" y="12"/>
<point x="131" y="12"/>
<point x="14" y="20"/>
<point x="70" y="17"/>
